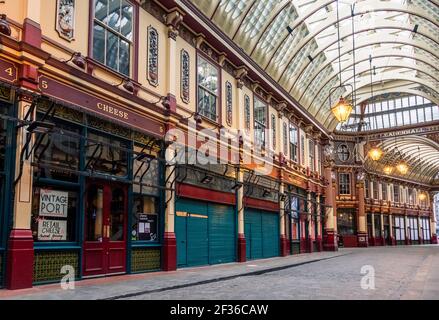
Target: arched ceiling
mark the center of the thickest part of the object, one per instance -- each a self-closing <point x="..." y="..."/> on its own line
<point x="296" y="43"/>
<point x="420" y="153"/>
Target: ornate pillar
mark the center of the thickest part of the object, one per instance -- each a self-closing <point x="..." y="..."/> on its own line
<point x="319" y="224"/>
<point x="173" y="21"/>
<point x="169" y="251"/>
<point x="406" y="229"/>
<point x="391" y="235"/>
<point x="240" y="209"/>
<point x="283" y="238"/>
<point x="330" y="233"/>
<point x="361" y="220"/>
<point x="433" y="222"/>
<point x="309" y="221"/>
<point x="383" y="240"/>
<point x="420" y="235"/>
<point x="19" y="269"/>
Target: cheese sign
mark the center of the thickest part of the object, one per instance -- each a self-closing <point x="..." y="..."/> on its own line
<point x="52" y="230"/>
<point x="53" y="203"/>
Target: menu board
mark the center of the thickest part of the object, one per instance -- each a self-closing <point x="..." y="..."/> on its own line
<point x="147" y="227"/>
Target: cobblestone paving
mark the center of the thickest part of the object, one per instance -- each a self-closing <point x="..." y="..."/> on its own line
<point x="410" y="272"/>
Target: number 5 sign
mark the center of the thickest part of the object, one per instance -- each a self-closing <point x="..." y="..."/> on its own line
<point x="8" y="71"/>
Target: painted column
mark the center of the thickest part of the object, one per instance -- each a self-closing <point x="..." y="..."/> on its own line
<point x="283" y="238"/>
<point x="319" y="224"/>
<point x="383" y="241"/>
<point x="362" y="225"/>
<point x="169" y="251"/>
<point x="19" y="269"/>
<point x="431" y="198"/>
<point x="392" y="235"/>
<point x="31" y="23"/>
<point x="173" y="21"/>
<point x="309" y="220"/>
<point x="372" y="217"/>
<point x="240" y="208"/>
<point x="330" y="235"/>
<point x="420" y="235"/>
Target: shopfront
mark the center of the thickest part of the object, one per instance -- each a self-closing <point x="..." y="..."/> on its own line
<point x="96" y="196"/>
<point x="205" y="215"/>
<point x="399" y="229"/>
<point x="293" y="203"/>
<point x="413" y="229"/>
<point x="7" y="154"/>
<point x="347" y="227"/>
<point x="425" y="229"/>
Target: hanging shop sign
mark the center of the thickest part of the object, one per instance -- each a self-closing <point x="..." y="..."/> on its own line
<point x="147" y="227"/>
<point x="8" y="71"/>
<point x="53" y="203"/>
<point x="96" y="105"/>
<point x="52" y="230"/>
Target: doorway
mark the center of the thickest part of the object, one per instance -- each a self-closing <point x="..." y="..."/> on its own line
<point x="105" y="229"/>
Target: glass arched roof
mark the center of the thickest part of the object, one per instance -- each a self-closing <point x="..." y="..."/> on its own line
<point x="296" y="43"/>
<point x="420" y="153"/>
<point x="391" y="110"/>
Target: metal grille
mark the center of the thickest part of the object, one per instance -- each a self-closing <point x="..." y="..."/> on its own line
<point x="145" y="259"/>
<point x="47" y="265"/>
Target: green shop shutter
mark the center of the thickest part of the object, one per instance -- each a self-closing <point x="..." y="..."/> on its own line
<point x="205" y="232"/>
<point x="262" y="234"/>
<point x="221" y="233"/>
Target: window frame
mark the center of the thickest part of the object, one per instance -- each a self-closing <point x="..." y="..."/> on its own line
<point x="218" y="107"/>
<point x="134" y="43"/>
<point x="265" y="126"/>
<point x="291" y="145"/>
<point x="343" y="184"/>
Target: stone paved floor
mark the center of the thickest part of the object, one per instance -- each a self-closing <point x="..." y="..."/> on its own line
<point x="410" y="272"/>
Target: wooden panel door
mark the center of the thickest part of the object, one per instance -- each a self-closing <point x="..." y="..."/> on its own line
<point x="105" y="229"/>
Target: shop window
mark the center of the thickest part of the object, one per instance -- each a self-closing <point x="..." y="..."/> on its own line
<point x="395" y="193"/>
<point x="425" y="225"/>
<point x="57" y="152"/>
<point x="311" y="155"/>
<point x="260" y="115"/>
<point x="413" y="228"/>
<point x="293" y="143"/>
<point x="302" y="149"/>
<point x="399" y="228"/>
<point x="107" y="155"/>
<point x="295" y="221"/>
<point x="207" y="77"/>
<point x="377" y="225"/>
<point x="384" y="191"/>
<point x="376" y="191"/>
<point x="344" y="183"/>
<point x="366" y="189"/>
<point x="113" y="34"/>
<point x="346" y="223"/>
<point x="54" y="212"/>
<point x="145" y="225"/>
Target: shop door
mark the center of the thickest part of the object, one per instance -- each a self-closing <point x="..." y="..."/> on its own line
<point x="105" y="229"/>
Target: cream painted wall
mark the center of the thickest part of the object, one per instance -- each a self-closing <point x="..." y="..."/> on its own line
<point x="48" y="26"/>
<point x="147" y="20"/>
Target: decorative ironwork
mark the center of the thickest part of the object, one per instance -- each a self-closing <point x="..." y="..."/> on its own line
<point x="247" y="112"/>
<point x="285" y="134"/>
<point x="108" y="127"/>
<point x="273" y="129"/>
<point x="153" y="56"/>
<point x="65" y="19"/>
<point x="229" y="106"/>
<point x="47" y="265"/>
<point x="185" y="76"/>
<point x="147" y="259"/>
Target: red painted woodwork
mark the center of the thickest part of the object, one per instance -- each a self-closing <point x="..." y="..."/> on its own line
<point x="407" y="241"/>
<point x="309" y="245"/>
<point x="434" y="239"/>
<point x="169" y="252"/>
<point x="20" y="261"/>
<point x="379" y="241"/>
<point x="194" y="192"/>
<point x="242" y="248"/>
<point x="32" y="33"/>
<point x="330" y="241"/>
<point x="283" y="246"/>
<point x="319" y="244"/>
<point x="106" y="256"/>
<point x="350" y="241"/>
<point x="303" y="245"/>
<point x="372" y="241"/>
<point x="261" y="204"/>
<point x="392" y="241"/>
